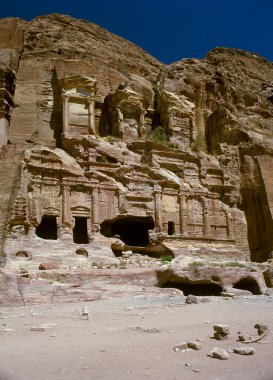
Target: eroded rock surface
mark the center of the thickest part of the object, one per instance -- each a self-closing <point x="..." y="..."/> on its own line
<point x="105" y="150"/>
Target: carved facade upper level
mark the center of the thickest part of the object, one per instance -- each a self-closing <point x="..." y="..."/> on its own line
<point x="94" y="184"/>
<point x="78" y="105"/>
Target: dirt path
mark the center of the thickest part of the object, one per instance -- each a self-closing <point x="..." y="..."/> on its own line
<point x="132" y="337"/>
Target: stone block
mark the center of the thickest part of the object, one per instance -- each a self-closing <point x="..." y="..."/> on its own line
<point x="220" y="336"/>
<point x="180" y="346"/>
<point x="244" y="350"/>
<point x="195" y="345"/>
<point x="222" y="329"/>
<point x="219" y="353"/>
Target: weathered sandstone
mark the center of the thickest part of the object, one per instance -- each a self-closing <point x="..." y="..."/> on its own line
<point x="105" y="150"/>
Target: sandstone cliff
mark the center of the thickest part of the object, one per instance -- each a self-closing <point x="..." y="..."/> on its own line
<point x="100" y="139"/>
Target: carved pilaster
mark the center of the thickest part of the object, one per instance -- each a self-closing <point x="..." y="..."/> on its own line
<point x="95" y="208"/>
<point x="65" y="228"/>
<point x="182" y="212"/>
<point x="120" y="126"/>
<point x="34" y="201"/>
<point x="142" y="117"/>
<point x="230" y="223"/>
<point x="90" y="226"/>
<point x="92" y="126"/>
<point x="121" y="203"/>
<point x="158" y="218"/>
<point x="142" y="123"/>
<point x="170" y="122"/>
<point x="66" y="213"/>
<point x="206" y="219"/>
<point x="65" y="113"/>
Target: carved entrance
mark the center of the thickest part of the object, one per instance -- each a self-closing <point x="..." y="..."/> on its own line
<point x="47" y="229"/>
<point x="80" y="234"/>
<point x="133" y="230"/>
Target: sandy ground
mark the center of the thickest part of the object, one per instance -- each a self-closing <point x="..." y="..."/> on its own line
<point x="132" y="337"/>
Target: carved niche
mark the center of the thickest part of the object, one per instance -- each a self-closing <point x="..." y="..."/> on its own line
<point x="126" y="113"/>
<point x="78" y="105"/>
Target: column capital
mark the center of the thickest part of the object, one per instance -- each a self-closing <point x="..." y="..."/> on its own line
<point x="95" y="187"/>
<point x="157" y="189"/>
<point x="65" y="96"/>
<point x="65" y="186"/>
<point x="90" y="99"/>
<point x="182" y="194"/>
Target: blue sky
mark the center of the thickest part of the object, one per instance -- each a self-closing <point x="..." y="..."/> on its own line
<point x="168" y="29"/>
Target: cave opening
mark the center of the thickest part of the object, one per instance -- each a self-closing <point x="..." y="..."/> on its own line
<point x="248" y="284"/>
<point x="80" y="233"/>
<point x="47" y="229"/>
<point x="133" y="230"/>
<point x="195" y="289"/>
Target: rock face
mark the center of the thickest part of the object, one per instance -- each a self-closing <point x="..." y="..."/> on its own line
<point x="100" y="139"/>
<point x="211" y="280"/>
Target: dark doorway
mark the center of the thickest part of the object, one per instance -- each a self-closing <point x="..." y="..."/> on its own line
<point x="248" y="284"/>
<point x="80" y="234"/>
<point x="171" y="228"/>
<point x="47" y="229"/>
<point x="133" y="230"/>
<point x="195" y="289"/>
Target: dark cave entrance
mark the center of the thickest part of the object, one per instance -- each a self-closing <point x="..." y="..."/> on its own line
<point x="47" y="229"/>
<point x="133" y="230"/>
<point x="80" y="233"/>
<point x="195" y="289"/>
<point x="248" y="284"/>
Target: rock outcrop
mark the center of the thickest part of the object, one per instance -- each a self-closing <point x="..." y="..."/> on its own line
<point x="100" y="141"/>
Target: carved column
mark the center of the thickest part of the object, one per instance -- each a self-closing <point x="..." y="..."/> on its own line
<point x="95" y="208"/>
<point x="65" y="113"/>
<point x="65" y="230"/>
<point x="66" y="213"/>
<point x="121" y="203"/>
<point x="142" y="117"/>
<point x="35" y="200"/>
<point x="206" y="219"/>
<point x="91" y="213"/>
<point x="170" y="122"/>
<point x="158" y="218"/>
<point x="34" y="208"/>
<point x="92" y="126"/>
<point x="142" y="123"/>
<point x="182" y="211"/>
<point x="230" y="224"/>
<point x="119" y="121"/>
